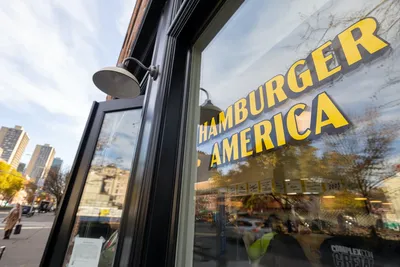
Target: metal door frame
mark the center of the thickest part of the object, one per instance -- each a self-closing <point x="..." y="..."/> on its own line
<point x="57" y="243"/>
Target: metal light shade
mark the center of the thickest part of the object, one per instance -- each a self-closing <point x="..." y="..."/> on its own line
<point x="209" y="111"/>
<point x="117" y="82"/>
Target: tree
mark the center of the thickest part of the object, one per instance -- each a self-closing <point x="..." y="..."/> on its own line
<point x="360" y="156"/>
<point x="30" y="189"/>
<point x="11" y="181"/>
<point x="55" y="183"/>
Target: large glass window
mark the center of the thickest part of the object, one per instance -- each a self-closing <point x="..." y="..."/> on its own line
<point x="297" y="155"/>
<point x="95" y="233"/>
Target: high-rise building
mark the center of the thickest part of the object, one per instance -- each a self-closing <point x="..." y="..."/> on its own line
<point x="41" y="161"/>
<point x="21" y="167"/>
<point x="56" y="165"/>
<point x="13" y="141"/>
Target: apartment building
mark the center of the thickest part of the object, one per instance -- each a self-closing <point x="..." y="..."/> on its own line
<point x="41" y="161"/>
<point x="13" y="142"/>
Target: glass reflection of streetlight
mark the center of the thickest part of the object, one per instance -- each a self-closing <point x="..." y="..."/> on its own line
<point x="360" y="198"/>
<point x="208" y="110"/>
<point x="375" y="201"/>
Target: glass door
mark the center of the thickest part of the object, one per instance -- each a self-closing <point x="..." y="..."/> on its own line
<point x="92" y="210"/>
<point x="95" y="232"/>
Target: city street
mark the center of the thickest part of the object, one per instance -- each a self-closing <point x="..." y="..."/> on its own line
<point x="26" y="249"/>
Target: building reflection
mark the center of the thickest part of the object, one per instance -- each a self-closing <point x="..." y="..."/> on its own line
<point x="104" y="192"/>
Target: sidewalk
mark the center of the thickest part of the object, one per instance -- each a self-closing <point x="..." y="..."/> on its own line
<point x="26" y="249"/>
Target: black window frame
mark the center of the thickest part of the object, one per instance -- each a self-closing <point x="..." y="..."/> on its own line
<point x="158" y="216"/>
<point x="150" y="219"/>
<point x="60" y="234"/>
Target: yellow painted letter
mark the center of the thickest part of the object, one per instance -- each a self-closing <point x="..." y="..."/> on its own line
<point x="253" y="103"/>
<point x="279" y="131"/>
<point x="320" y="61"/>
<point x="203" y="133"/>
<point x="230" y="148"/>
<point x="304" y="77"/>
<point x="225" y="120"/>
<point x="291" y="122"/>
<point x="274" y="87"/>
<point x="241" y="112"/>
<point x="368" y="40"/>
<point x="325" y="106"/>
<point x="263" y="137"/>
<point x="215" y="156"/>
<point x="244" y="140"/>
<point x="213" y="129"/>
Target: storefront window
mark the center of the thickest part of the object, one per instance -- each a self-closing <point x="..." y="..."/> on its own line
<point x="302" y="165"/>
<point x="95" y="233"/>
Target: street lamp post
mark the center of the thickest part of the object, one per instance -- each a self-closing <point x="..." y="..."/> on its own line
<point x="33" y="201"/>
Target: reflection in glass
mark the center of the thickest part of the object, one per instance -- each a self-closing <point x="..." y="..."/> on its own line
<point x="102" y="201"/>
<point x="327" y="200"/>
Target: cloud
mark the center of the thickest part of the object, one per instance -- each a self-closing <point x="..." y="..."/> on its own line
<point x="48" y="53"/>
<point x="123" y="21"/>
<point x="118" y="138"/>
<point x="43" y="61"/>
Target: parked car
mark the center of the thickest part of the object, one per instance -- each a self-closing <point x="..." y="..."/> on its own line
<point x="350" y="219"/>
<point x="236" y="229"/>
<point x="45" y="206"/>
<point x="26" y="210"/>
<point x="109" y="247"/>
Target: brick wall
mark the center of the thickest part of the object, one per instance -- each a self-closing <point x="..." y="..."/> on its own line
<point x="131" y="33"/>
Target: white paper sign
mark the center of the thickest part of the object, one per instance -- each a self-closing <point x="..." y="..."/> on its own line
<point x="293" y="186"/>
<point x="266" y="186"/>
<point x="253" y="187"/>
<point x="86" y="252"/>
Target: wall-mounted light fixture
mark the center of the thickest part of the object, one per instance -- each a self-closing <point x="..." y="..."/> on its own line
<point x="119" y="82"/>
<point x="208" y="110"/>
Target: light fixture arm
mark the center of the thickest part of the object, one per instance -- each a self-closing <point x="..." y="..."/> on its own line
<point x="153" y="70"/>
<point x="205" y="91"/>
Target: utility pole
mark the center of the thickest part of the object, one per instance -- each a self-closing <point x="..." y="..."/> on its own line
<point x="221" y="224"/>
<point x="34" y="198"/>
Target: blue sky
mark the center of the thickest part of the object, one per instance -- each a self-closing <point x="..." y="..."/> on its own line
<point x="49" y="51"/>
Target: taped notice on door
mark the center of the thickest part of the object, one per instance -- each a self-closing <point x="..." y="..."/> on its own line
<point x="86" y="252"/>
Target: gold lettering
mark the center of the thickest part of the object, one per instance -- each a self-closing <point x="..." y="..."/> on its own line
<point x="334" y="117"/>
<point x="263" y="138"/>
<point x="241" y="112"/>
<point x="291" y="122"/>
<point x="274" y="87"/>
<point x="225" y="120"/>
<point x="213" y="129"/>
<point x="320" y="61"/>
<point x="203" y="133"/>
<point x="368" y="39"/>
<point x="230" y="148"/>
<point x="215" y="156"/>
<point x="305" y="78"/>
<point x="244" y="140"/>
<point x="253" y="103"/>
<point x="279" y="131"/>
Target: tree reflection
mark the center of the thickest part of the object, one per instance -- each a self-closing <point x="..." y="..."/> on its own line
<point x="360" y="156"/>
